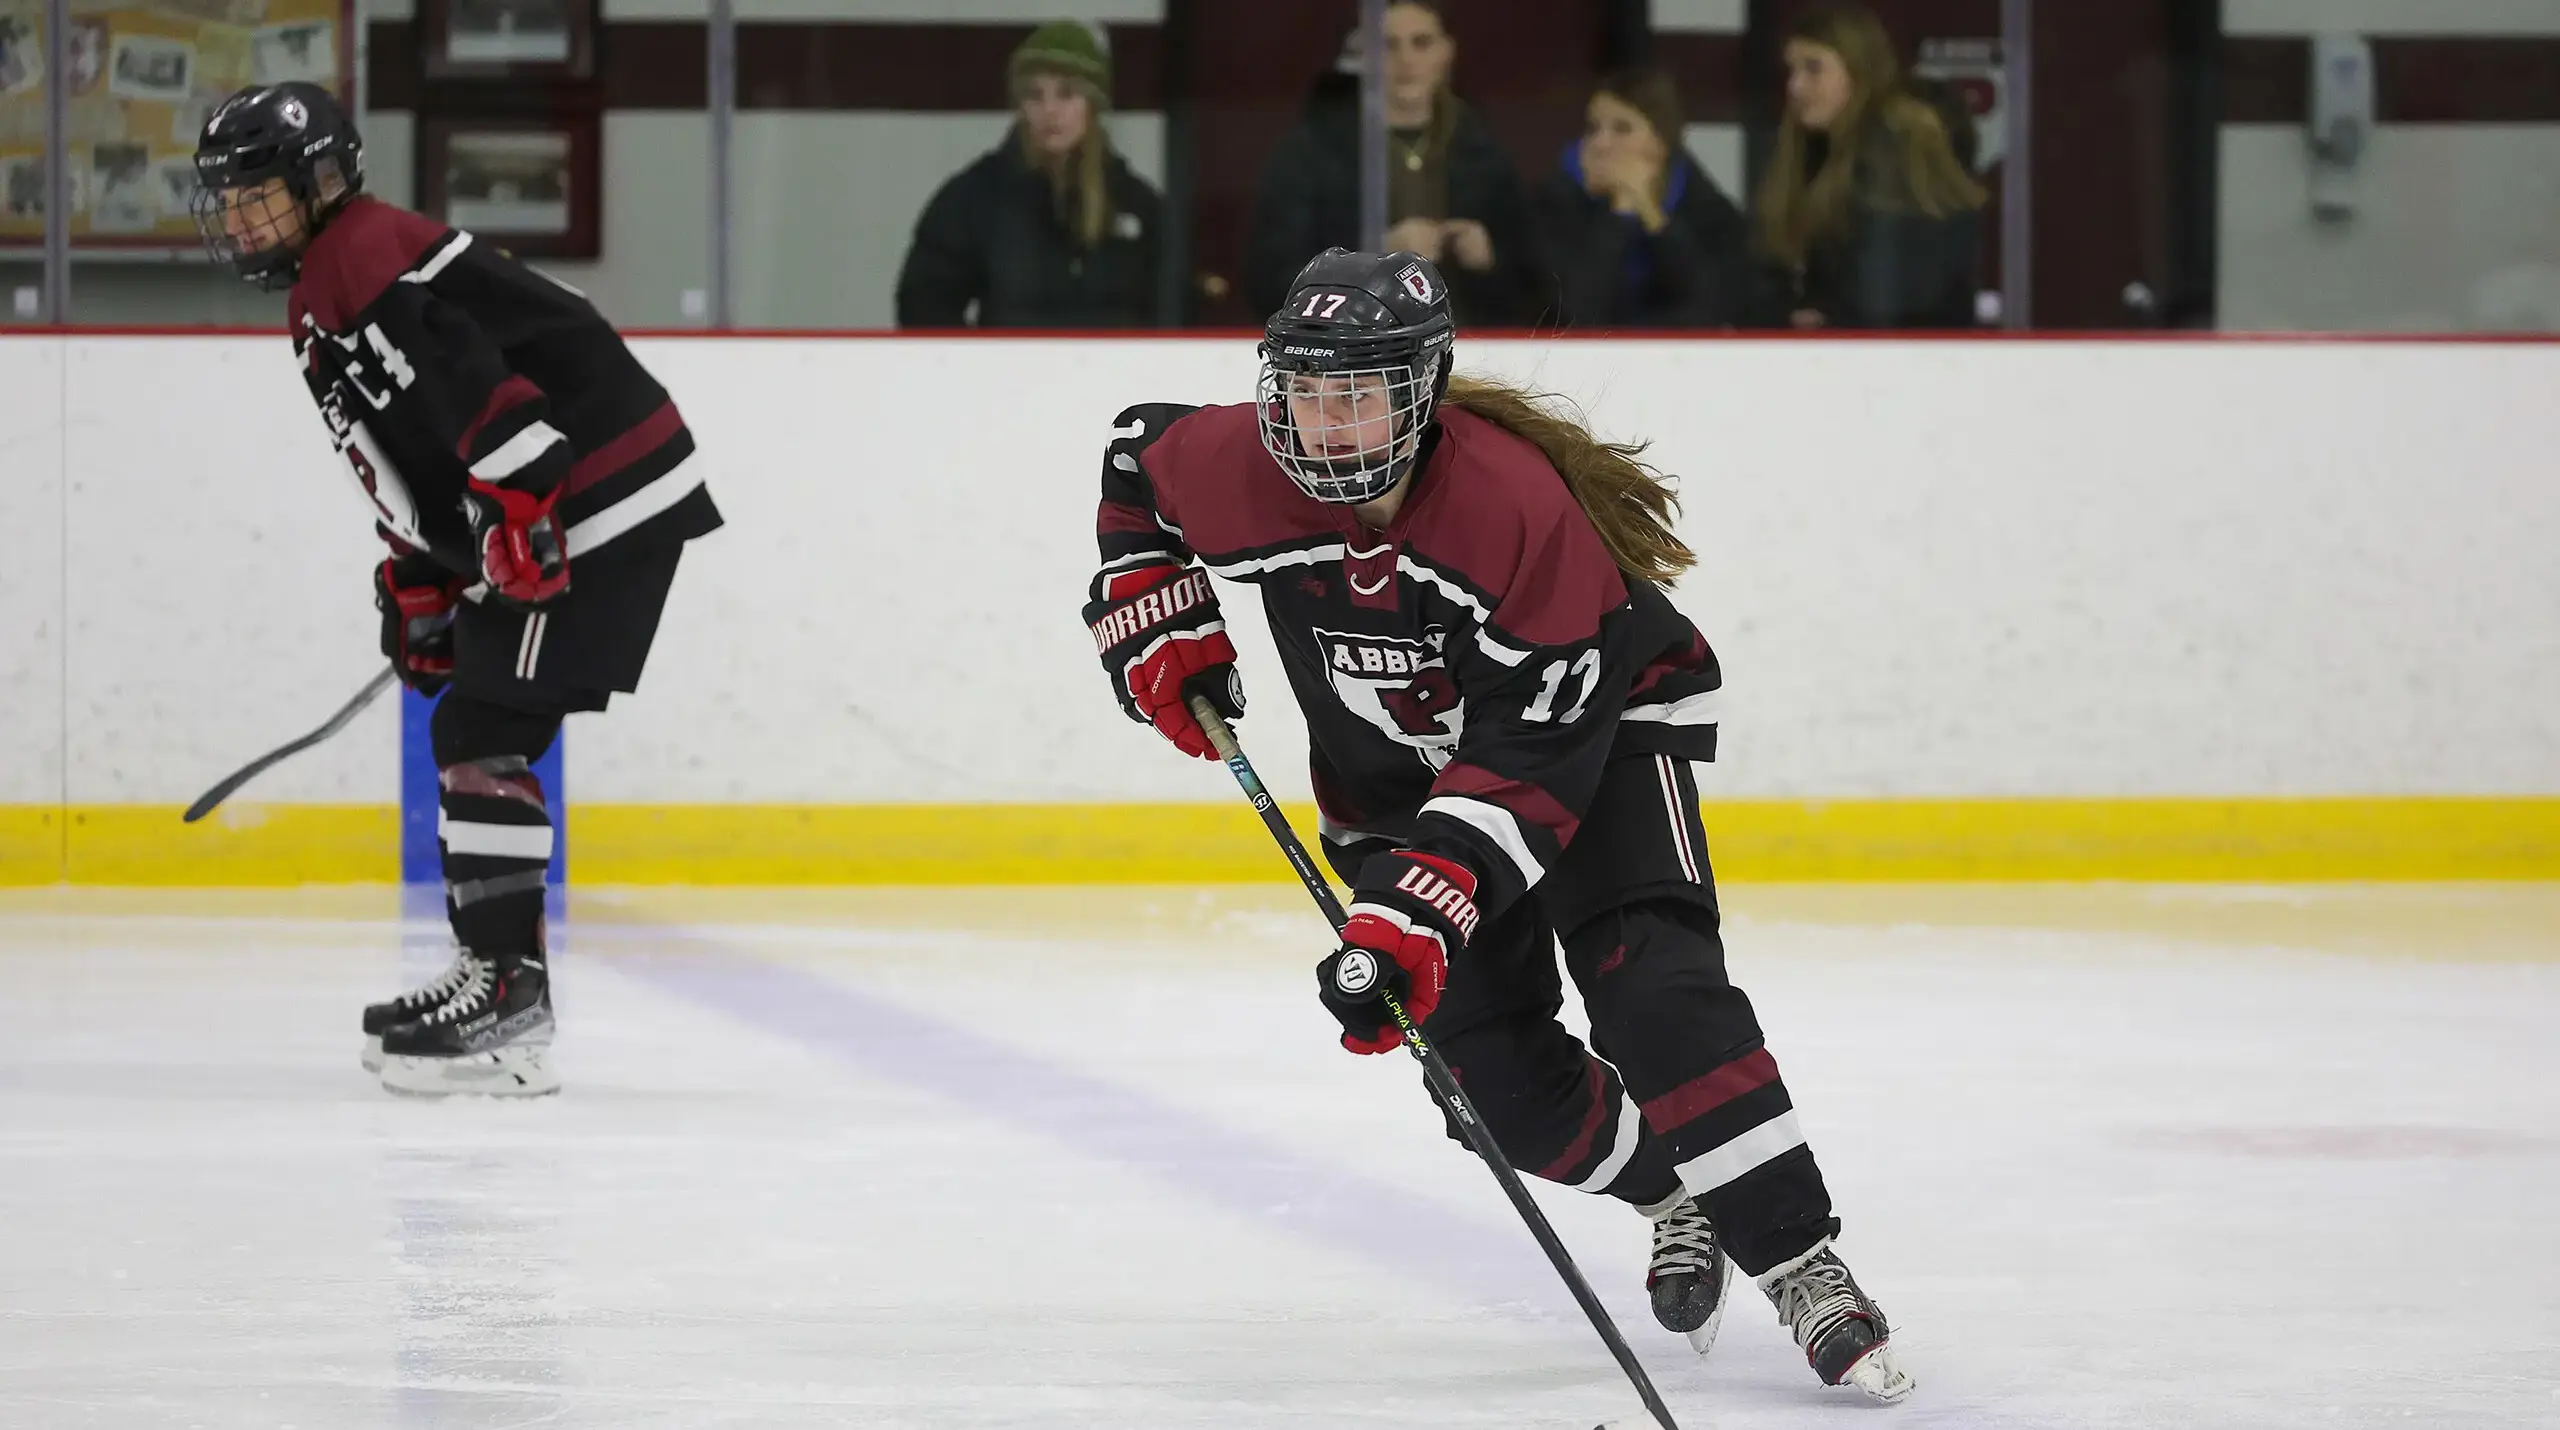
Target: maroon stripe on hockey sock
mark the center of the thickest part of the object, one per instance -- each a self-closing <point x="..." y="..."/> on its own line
<point x="1596" y="1088"/>
<point x="646" y="436"/>
<point x="1696" y="1098"/>
<point x="471" y="779"/>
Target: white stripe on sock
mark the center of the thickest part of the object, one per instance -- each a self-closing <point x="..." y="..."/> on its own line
<point x="1630" y="1128"/>
<point x="1765" y="1143"/>
<point x="499" y="841"/>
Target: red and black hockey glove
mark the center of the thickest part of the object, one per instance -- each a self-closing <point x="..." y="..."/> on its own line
<point x="522" y="554"/>
<point x="417" y="597"/>
<point x="1410" y="913"/>
<point x="1162" y="639"/>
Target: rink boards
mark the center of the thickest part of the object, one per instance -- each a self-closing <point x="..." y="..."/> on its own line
<point x="1987" y="609"/>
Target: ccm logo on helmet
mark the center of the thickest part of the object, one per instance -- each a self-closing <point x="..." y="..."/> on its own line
<point x="1155" y="607"/>
<point x="1441" y="897"/>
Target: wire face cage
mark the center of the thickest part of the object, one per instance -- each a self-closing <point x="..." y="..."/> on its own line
<point x="1346" y="435"/>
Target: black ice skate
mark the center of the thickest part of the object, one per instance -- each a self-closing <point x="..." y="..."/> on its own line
<point x="1844" y="1334"/>
<point x="493" y="1037"/>
<point x="381" y="1018"/>
<point x="1687" y="1277"/>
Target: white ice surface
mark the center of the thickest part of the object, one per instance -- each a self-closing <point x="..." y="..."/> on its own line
<point x="857" y="1177"/>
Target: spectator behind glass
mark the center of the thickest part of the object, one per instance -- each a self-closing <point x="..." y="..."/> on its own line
<point x="1452" y="195"/>
<point x="1865" y="218"/>
<point x="1049" y="229"/>
<point x="1632" y="231"/>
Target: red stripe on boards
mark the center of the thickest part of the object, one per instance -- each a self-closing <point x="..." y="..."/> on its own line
<point x="1696" y="1098"/>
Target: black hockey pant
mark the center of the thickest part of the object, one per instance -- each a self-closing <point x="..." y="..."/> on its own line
<point x="1682" y="1091"/>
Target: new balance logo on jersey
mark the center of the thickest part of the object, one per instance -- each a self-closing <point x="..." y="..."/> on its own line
<point x="1399" y="685"/>
<point x="1150" y="610"/>
<point x="1441" y="897"/>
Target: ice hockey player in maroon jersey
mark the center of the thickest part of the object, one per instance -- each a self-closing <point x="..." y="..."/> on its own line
<point x="525" y="472"/>
<point x="1467" y="593"/>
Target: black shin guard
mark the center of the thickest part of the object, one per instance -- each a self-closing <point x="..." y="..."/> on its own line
<point x="494" y="828"/>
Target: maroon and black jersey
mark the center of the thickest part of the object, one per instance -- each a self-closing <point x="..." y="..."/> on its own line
<point x="1467" y="671"/>
<point x="435" y="358"/>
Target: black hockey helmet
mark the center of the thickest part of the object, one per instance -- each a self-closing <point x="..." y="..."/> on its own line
<point x="1361" y="337"/>
<point x="296" y="133"/>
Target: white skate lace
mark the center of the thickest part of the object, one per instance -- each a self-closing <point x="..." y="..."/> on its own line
<point x="469" y="997"/>
<point x="438" y="989"/>
<point x="1816" y="1297"/>
<point x="1684" y="1241"/>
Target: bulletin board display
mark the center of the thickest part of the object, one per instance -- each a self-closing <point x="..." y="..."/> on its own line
<point x="142" y="78"/>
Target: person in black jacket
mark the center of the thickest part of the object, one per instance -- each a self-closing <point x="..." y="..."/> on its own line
<point x="1631" y="230"/>
<point x="1865" y="218"/>
<point x="1049" y="229"/>
<point x="1452" y="194"/>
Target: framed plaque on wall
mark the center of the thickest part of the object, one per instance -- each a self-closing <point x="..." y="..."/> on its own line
<point x="507" y="39"/>
<point x="529" y="184"/>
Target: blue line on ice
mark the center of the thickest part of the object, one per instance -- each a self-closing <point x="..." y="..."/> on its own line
<point x="1196" y="1155"/>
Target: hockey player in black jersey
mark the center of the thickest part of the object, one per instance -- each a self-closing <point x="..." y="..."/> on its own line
<point x="1467" y="594"/>
<point x="525" y="472"/>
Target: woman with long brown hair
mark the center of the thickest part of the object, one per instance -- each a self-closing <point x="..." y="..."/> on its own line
<point x="1468" y="592"/>
<point x="1051" y="228"/>
<point x="1864" y="217"/>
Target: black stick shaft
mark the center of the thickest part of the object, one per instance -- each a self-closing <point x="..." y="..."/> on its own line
<point x="1435" y="1069"/>
<point x="230" y="785"/>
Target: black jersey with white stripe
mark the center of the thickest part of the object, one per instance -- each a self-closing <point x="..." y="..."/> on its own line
<point x="1467" y="671"/>
<point x="436" y="358"/>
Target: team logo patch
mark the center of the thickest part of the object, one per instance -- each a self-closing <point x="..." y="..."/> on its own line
<point x="1417" y="283"/>
<point x="293" y="114"/>
<point x="1356" y="974"/>
<point x="1400" y="685"/>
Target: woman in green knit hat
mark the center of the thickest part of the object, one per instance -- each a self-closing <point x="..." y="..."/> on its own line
<point x="1049" y="229"/>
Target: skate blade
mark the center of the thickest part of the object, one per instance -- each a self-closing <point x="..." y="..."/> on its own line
<point x="1880" y="1375"/>
<point x="512" y="1071"/>
<point x="372" y="1055"/>
<point x="1703" y="1339"/>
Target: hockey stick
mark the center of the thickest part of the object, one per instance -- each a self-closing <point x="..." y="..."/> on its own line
<point x="1435" y="1070"/>
<point x="373" y="689"/>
